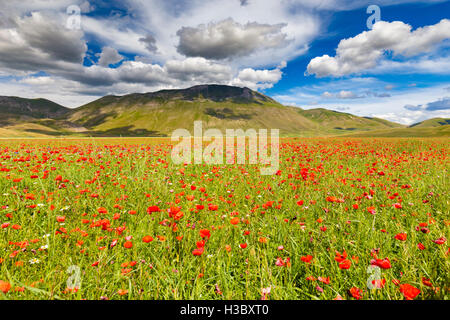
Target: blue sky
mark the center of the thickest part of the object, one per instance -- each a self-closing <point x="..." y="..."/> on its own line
<point x="304" y="53"/>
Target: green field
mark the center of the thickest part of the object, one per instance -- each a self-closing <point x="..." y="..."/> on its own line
<point x="352" y="218"/>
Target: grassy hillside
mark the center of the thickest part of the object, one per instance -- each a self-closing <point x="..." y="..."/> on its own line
<point x="435" y="127"/>
<point x="341" y="123"/>
<point x="34" y="117"/>
<point x="442" y="131"/>
<point x="16" y="108"/>
<point x="434" y="122"/>
<point x="162" y="112"/>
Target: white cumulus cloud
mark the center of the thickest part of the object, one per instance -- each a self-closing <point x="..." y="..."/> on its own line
<point x="363" y="51"/>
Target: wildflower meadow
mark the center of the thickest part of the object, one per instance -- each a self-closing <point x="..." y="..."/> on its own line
<point x="342" y="218"/>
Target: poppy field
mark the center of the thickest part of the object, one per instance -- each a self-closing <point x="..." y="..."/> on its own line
<point x="117" y="219"/>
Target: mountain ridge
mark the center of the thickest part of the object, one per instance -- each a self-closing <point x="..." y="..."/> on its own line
<point x="159" y="113"/>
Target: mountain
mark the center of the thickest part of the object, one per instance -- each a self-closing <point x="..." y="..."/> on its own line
<point x="13" y="107"/>
<point x="34" y="117"/>
<point x="341" y="122"/>
<point x="434" y="122"/>
<point x="160" y="113"/>
<point x="435" y="127"/>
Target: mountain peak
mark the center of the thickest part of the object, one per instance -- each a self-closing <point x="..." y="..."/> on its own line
<point x="213" y="92"/>
<point x="38" y="108"/>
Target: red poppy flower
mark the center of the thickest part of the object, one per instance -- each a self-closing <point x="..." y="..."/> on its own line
<point x="122" y="292"/>
<point x="345" y="264"/>
<point x="30" y="196"/>
<point x="307" y="258"/>
<point x="382" y="263"/>
<point x="401" y="236"/>
<point x="200" y="244"/>
<point x="340" y="257"/>
<point x="128" y="244"/>
<point x="102" y="210"/>
<point x="147" y="239"/>
<point x="356" y="293"/>
<point x="204" y="233"/>
<point x="198" y="251"/>
<point x="324" y="280"/>
<point x="441" y="240"/>
<point x="397" y="205"/>
<point x="175" y="213"/>
<point x="234" y="220"/>
<point x="409" y="291"/>
<point x="4" y="286"/>
<point x="153" y="209"/>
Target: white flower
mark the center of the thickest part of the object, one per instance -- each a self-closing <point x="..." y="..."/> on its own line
<point x="44" y="247"/>
<point x="34" y="260"/>
<point x="46" y="235"/>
